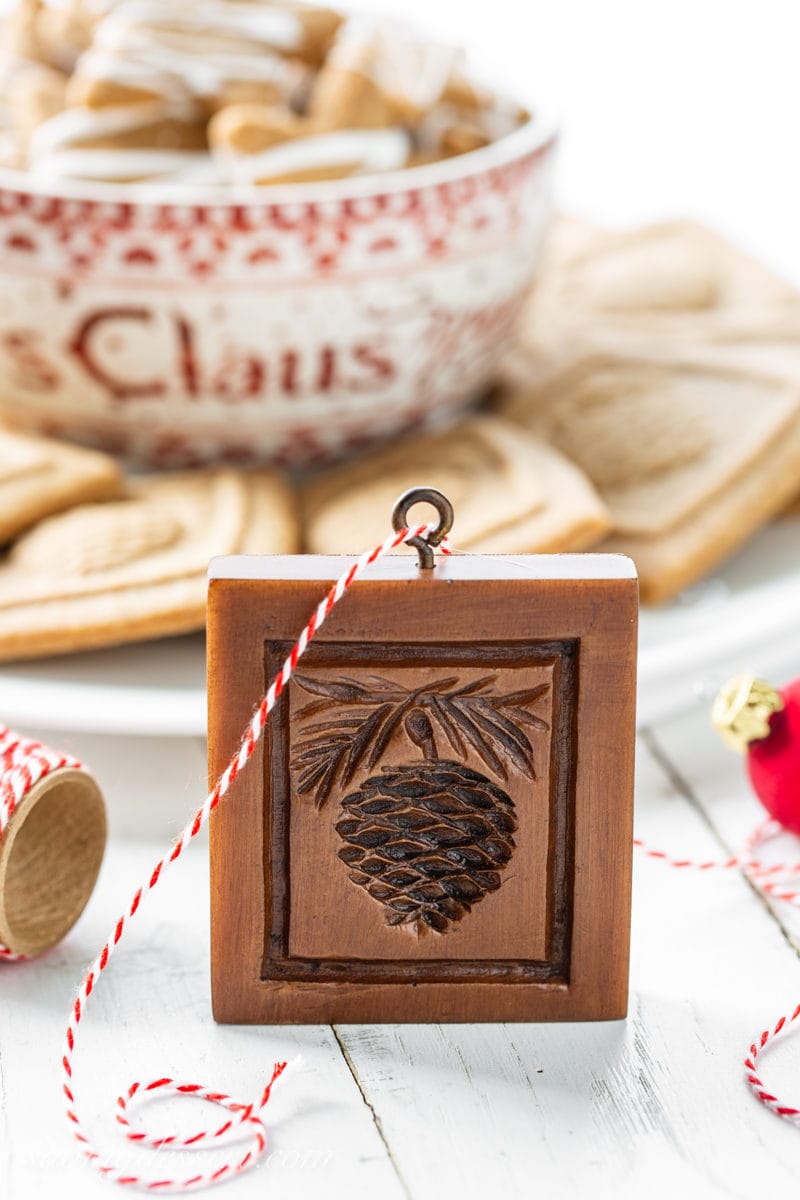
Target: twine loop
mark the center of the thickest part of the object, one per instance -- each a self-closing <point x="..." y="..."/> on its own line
<point x="243" y="1119"/>
<point x="780" y="881"/>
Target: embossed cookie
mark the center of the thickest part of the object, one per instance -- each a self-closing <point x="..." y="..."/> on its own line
<point x="512" y="493"/>
<point x="691" y="457"/>
<point x="662" y="285"/>
<point x="39" y="477"/>
<point x="133" y="569"/>
<point x="670" y="267"/>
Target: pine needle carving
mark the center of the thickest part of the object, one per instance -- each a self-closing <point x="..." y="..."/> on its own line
<point x="329" y="753"/>
<point x="428" y="839"/>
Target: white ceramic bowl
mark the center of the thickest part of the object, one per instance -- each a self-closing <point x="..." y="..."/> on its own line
<point x="289" y="325"/>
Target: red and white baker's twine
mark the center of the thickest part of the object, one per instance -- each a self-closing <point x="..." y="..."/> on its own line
<point x="239" y="1119"/>
<point x="773" y="879"/>
<point x="23" y="762"/>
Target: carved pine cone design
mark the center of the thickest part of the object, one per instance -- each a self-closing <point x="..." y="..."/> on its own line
<point x="428" y="840"/>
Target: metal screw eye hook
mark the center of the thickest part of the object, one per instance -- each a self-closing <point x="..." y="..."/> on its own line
<point x="424" y="545"/>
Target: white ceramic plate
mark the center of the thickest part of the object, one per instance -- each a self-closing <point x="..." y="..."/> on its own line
<point x="745" y="616"/>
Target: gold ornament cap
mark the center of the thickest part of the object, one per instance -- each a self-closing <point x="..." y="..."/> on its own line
<point x="742" y="710"/>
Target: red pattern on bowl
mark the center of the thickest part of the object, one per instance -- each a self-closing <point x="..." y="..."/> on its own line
<point x="291" y="326"/>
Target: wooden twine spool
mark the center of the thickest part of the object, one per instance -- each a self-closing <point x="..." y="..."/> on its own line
<point x="50" y="855"/>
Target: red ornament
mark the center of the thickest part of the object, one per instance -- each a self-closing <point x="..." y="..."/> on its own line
<point x="764" y="723"/>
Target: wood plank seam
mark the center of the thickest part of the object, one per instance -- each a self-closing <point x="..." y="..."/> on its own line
<point x="351" y="1066"/>
<point x="683" y="787"/>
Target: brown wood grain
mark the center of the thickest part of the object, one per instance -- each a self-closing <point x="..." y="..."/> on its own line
<point x="50" y="856"/>
<point x="293" y="938"/>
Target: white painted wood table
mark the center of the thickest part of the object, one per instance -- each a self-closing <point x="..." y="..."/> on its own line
<point x="654" y="1102"/>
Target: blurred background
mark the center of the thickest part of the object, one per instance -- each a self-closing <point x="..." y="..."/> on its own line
<point x="685" y="107"/>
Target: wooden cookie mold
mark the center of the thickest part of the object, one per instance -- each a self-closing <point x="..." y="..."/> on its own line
<point x="437" y="822"/>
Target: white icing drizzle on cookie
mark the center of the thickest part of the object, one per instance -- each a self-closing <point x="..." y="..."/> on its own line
<point x="195" y="46"/>
<point x="266" y="24"/>
<point x="168" y="71"/>
<point x="80" y="126"/>
<point x="356" y="151"/>
<point x="403" y="66"/>
<point x="121" y="166"/>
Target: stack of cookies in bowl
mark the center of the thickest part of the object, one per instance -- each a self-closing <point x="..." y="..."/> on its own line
<point x="231" y="91"/>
